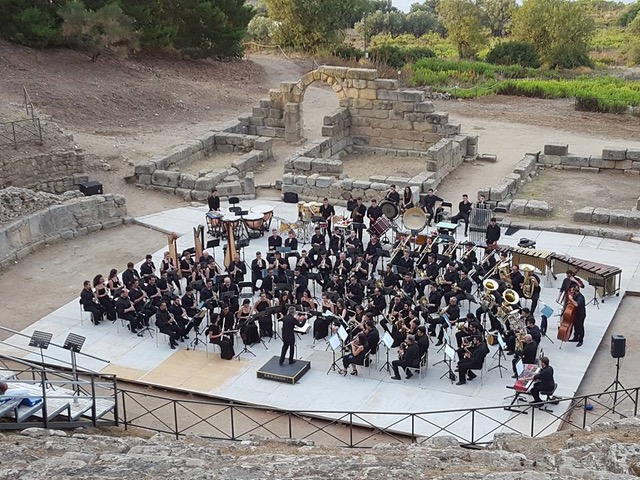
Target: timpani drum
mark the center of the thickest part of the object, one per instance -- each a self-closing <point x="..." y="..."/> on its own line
<point x="301" y="210"/>
<point x="214" y="223"/>
<point x="254" y="223"/>
<point x="314" y="207"/>
<point x="267" y="214"/>
<point x="389" y="209"/>
<point x="234" y="221"/>
<point x="380" y="226"/>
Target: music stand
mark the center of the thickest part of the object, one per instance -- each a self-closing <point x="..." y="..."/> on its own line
<point x="449" y="355"/>
<point x="74" y="344"/>
<point x="271" y="311"/>
<point x="314" y="277"/>
<point x="501" y="347"/>
<point x="595" y="283"/>
<point x="245" y="349"/>
<point x="336" y="344"/>
<point x="41" y="340"/>
<point x="196" y="341"/>
<point x="383" y="253"/>
<point x="446" y="340"/>
<point x="387" y="341"/>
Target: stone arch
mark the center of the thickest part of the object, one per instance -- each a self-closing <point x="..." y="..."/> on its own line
<point x="318" y="76"/>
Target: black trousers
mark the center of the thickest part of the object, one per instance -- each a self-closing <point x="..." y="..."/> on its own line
<point x="465" y="365"/>
<point x="172" y="332"/>
<point x="287" y="346"/>
<point x="398" y="364"/>
<point x="461" y="216"/>
<point x="578" y="329"/>
<point x="96" y="310"/>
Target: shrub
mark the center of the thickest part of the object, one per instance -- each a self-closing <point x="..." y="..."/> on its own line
<point x="397" y="56"/>
<point x="514" y="53"/>
<point x="33" y="23"/>
<point x="348" y="52"/>
<point x="261" y="29"/>
<point x="565" y="56"/>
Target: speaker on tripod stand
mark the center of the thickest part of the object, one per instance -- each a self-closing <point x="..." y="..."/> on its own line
<point x="618" y="351"/>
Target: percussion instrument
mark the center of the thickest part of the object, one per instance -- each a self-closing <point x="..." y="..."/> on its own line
<point x="267" y="214"/>
<point x="254" y="223"/>
<point x="323" y="224"/>
<point x="308" y="210"/>
<point x="285" y="226"/>
<point x="336" y="219"/>
<point x="607" y="275"/>
<point x="414" y="219"/>
<point x="540" y="259"/>
<point x="389" y="209"/>
<point x="421" y="239"/>
<point x="214" y="222"/>
<point x="231" y="222"/>
<point x="380" y="226"/>
<point x="300" y="209"/>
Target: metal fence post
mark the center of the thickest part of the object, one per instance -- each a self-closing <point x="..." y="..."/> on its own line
<point x="413" y="428"/>
<point x="124" y="411"/>
<point x="290" y="432"/>
<point x="350" y="429"/>
<point x="533" y="417"/>
<point x="233" y="430"/>
<point x="584" y="411"/>
<point x="473" y="426"/>
<point x="635" y="404"/>
<point x="175" y="418"/>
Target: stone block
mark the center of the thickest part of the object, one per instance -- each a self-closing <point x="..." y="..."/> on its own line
<point x="633" y="219"/>
<point x="79" y="178"/>
<point x="633" y="154"/>
<point x="399" y="182"/>
<point x="618" y="217"/>
<point x="600" y="215"/>
<point x="599" y="162"/>
<point x="614" y="153"/>
<point x="411" y="95"/>
<point x="388" y="95"/>
<point x="378" y="178"/>
<point x="623" y="164"/>
<point x="323" y="182"/>
<point x="575" y="161"/>
<point x="302" y="164"/>
<point x="300" y="179"/>
<point x="517" y="207"/>
<point x="546" y="159"/>
<point x="538" y="208"/>
<point x="556" y="148"/>
<point x="204" y="184"/>
<point x="165" y="178"/>
<point x="364" y="185"/>
<point x="386" y="83"/>
<point x="144" y="179"/>
<point x="499" y="192"/>
<point x="380" y="187"/>
<point x="424" y="107"/>
<point x="230" y="188"/>
<point x="360" y="73"/>
<point x="288" y="179"/>
<point x="449" y="129"/>
<point x="145" y="168"/>
<point x="438" y="118"/>
<point x="187" y="181"/>
<point x="311" y="179"/>
<point x="185" y="193"/>
<point x="583" y="215"/>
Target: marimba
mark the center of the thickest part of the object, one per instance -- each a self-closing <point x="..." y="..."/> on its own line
<point x="605" y="277"/>
<point x="541" y="259"/>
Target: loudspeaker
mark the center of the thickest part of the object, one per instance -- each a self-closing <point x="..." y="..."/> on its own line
<point x="618" y="346"/>
<point x="290" y="197"/>
<point x="91" y="188"/>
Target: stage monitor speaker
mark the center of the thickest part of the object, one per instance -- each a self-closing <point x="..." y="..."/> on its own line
<point x="91" y="188"/>
<point x="618" y="346"/>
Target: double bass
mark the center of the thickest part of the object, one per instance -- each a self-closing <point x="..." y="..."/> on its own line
<point x="565" y="330"/>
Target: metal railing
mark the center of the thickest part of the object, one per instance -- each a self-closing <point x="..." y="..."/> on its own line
<point x="474" y="426"/>
<point x="16" y="132"/>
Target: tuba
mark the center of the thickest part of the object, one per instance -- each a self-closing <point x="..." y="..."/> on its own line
<point x="528" y="284"/>
<point x="510" y="298"/>
<point x="505" y="276"/>
<point x="488" y="301"/>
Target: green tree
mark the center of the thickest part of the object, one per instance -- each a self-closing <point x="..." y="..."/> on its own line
<point x="309" y="24"/>
<point x="498" y="15"/>
<point x="34" y="23"/>
<point x="558" y="30"/>
<point x="261" y="29"/>
<point x="463" y="21"/>
<point x="629" y="14"/>
<point x="107" y="29"/>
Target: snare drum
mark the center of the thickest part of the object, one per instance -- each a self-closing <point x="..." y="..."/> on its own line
<point x="380" y="226"/>
<point x="267" y="214"/>
<point x="254" y="222"/>
<point x="389" y="209"/>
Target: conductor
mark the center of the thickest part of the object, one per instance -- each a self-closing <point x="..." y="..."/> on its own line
<point x="290" y="321"/>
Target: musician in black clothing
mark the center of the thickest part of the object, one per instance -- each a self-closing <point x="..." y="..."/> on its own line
<point x="371" y="253"/>
<point x="405" y="263"/>
<point x="127" y="311"/>
<point x="473" y="360"/>
<point x="452" y="310"/>
<point x="237" y="269"/>
<point x="318" y="244"/>
<point x="353" y="244"/>
<point x="422" y="339"/>
<point x="227" y="319"/>
<point x="327" y="211"/>
<point x="268" y="285"/>
<point x="567" y="283"/>
<point x="377" y="303"/>
<point x="482" y="202"/>
<point x="357" y="215"/>
<point x="290" y="321"/>
<point x="392" y="195"/>
<point x="140" y="302"/>
<point x="335" y="285"/>
<point x="533" y="329"/>
<point x="218" y="337"/>
<point x="373" y="336"/>
<point x="152" y="291"/>
<point x="129" y="275"/>
<point x="148" y="269"/>
<point x="189" y="302"/>
<point x="258" y="265"/>
<point x="462" y="289"/>
<point x="360" y="268"/>
<point x="544" y="381"/>
<point x="292" y="242"/>
<point x="517" y="279"/>
<point x="409" y="286"/>
<point x="355" y="292"/>
<point x="468" y="256"/>
<point x="208" y="296"/>
<point x="167" y="325"/>
<point x="168" y="265"/>
<point x="580" y="314"/>
<point x="90" y="303"/>
<point x="374" y="212"/>
<point x="274" y="241"/>
<point x="390" y="280"/>
<point x="428" y="204"/>
<point x="214" y="201"/>
<point x="451" y="277"/>
<point x="342" y="266"/>
<point x="493" y="232"/>
<point x="409" y="358"/>
<point x="300" y="283"/>
<point x="464" y="210"/>
<point x="181" y="317"/>
<point x="434" y="298"/>
<point x="527" y="354"/>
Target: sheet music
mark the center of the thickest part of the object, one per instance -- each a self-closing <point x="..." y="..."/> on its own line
<point x="501" y="342"/>
<point x="446" y="338"/>
<point x="342" y="333"/>
<point x="334" y="342"/>
<point x="387" y="340"/>
<point x="519" y="367"/>
<point x="449" y="352"/>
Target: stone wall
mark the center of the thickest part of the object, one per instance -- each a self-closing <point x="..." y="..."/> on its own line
<point x="608" y="451"/>
<point x="49" y="172"/>
<point x="625" y="160"/>
<point x="162" y="172"/>
<point x="608" y="216"/>
<point x="382" y="115"/>
<point x="78" y="217"/>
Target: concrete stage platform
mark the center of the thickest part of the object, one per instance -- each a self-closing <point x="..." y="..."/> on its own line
<point x="285" y="373"/>
<point x="140" y="359"/>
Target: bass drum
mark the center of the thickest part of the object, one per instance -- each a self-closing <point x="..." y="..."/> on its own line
<point x="389" y="209"/>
